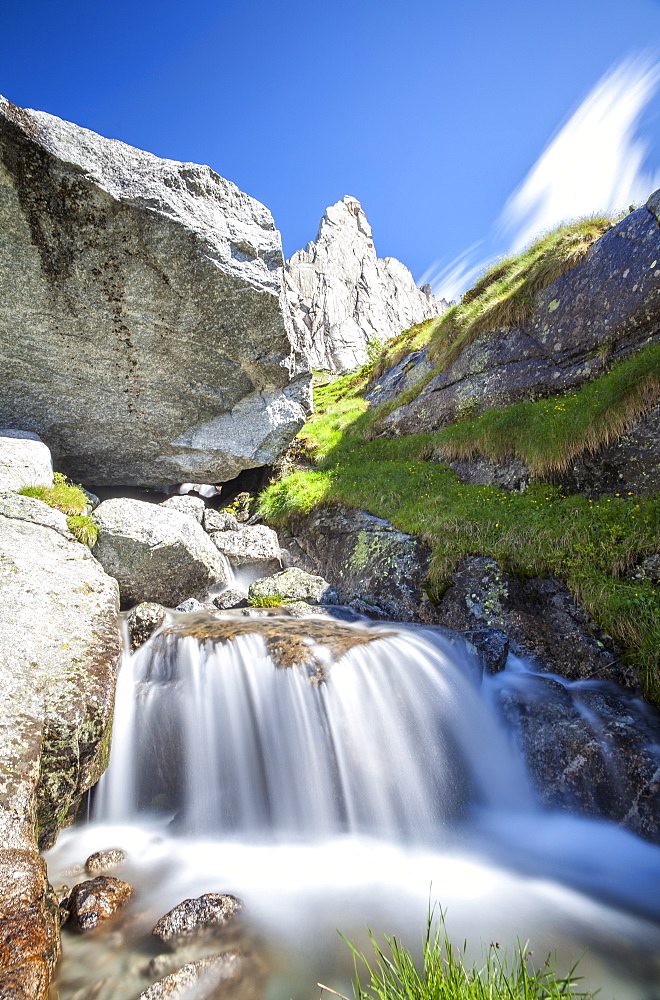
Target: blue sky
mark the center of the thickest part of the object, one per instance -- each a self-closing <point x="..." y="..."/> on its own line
<point x="431" y="113"/>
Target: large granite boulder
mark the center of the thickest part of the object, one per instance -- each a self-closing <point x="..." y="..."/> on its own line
<point x="144" y="332"/>
<point x="59" y="650"/>
<point x="344" y="297"/>
<point x="156" y="553"/>
<point x="596" y="314"/>
<point x="292" y="585"/>
<point x="24" y="461"/>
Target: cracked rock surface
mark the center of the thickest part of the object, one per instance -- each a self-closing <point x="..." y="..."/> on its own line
<point x="144" y="331"/>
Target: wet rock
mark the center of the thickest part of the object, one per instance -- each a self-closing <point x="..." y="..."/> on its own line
<point x="29" y="917"/>
<point x="231" y="598"/>
<point x="210" y="913"/>
<point x="143" y="620"/>
<point x="155" y="553"/>
<point x="286" y="641"/>
<point x="366" y="559"/>
<point x="103" y="861"/>
<point x="293" y="585"/>
<point x="596" y="314"/>
<point x="96" y="900"/>
<point x="492" y="645"/>
<point x="219" y="520"/>
<point x="251" y="545"/>
<point x="111" y="241"/>
<point x="24" y="460"/>
<point x="59" y="649"/>
<point x="544" y="623"/>
<point x="207" y="977"/>
<point x="595" y="750"/>
<point x="190" y="606"/>
<point x="192" y="506"/>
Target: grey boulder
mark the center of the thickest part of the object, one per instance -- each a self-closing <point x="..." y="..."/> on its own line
<point x="210" y="913"/>
<point x="155" y="553"/>
<point x="293" y="585"/>
<point x="250" y="545"/>
<point x="24" y="460"/>
<point x="144" y="331"/>
<point x="192" y="506"/>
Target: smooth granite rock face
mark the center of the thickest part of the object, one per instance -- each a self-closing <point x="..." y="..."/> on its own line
<point x="24" y="461"/>
<point x="156" y="553"/>
<point x="343" y="296"/>
<point x="144" y="330"/>
<point x="596" y="314"/>
<point x="59" y="649"/>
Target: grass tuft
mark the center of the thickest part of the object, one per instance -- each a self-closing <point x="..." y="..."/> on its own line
<point x="504" y="296"/>
<point x="549" y="434"/>
<point x="62" y="495"/>
<point x="272" y="601"/>
<point x="446" y="974"/>
<point x="84" y="529"/>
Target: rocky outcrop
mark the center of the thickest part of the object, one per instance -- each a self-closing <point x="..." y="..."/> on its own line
<point x="59" y="649"/>
<point x="592" y="749"/>
<point x="344" y="297"/>
<point x="144" y="331"/>
<point x="156" y="553"/>
<point x="544" y="623"/>
<point x="375" y="568"/>
<point x="24" y="461"/>
<point x="596" y="314"/>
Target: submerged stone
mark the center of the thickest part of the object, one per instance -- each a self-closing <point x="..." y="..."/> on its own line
<point x="288" y="642"/>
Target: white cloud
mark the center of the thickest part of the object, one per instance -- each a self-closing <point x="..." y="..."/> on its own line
<point x="594" y="164"/>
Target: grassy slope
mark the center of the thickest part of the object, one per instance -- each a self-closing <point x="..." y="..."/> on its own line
<point x="588" y="544"/>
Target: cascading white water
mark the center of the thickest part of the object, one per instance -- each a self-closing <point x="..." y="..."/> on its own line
<point x="384" y="744"/>
<point x="340" y="793"/>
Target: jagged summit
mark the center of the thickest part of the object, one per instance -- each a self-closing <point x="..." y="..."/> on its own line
<point x="343" y="296"/>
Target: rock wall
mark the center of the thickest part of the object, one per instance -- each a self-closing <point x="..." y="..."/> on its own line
<point x="343" y="296"/>
<point x="144" y="330"/>
<point x="59" y="651"/>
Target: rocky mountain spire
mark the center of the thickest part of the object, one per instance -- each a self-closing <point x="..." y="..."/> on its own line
<point x="344" y="297"/>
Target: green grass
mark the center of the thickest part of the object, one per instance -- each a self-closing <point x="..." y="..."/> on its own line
<point x="589" y="544"/>
<point x="267" y="602"/>
<point x="84" y="529"/>
<point x="446" y="974"/>
<point x="62" y="495"/>
<point x="504" y="296"/>
<point x="551" y="433"/>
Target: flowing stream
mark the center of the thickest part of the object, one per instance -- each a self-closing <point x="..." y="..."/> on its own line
<point x="336" y="776"/>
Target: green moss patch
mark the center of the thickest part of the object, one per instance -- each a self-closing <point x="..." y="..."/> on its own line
<point x="62" y="495"/>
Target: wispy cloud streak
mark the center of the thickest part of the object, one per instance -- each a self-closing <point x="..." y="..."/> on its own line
<point x="595" y="164"/>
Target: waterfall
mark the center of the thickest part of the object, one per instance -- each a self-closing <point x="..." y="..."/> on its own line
<point x="338" y="776"/>
<point x="227" y="741"/>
